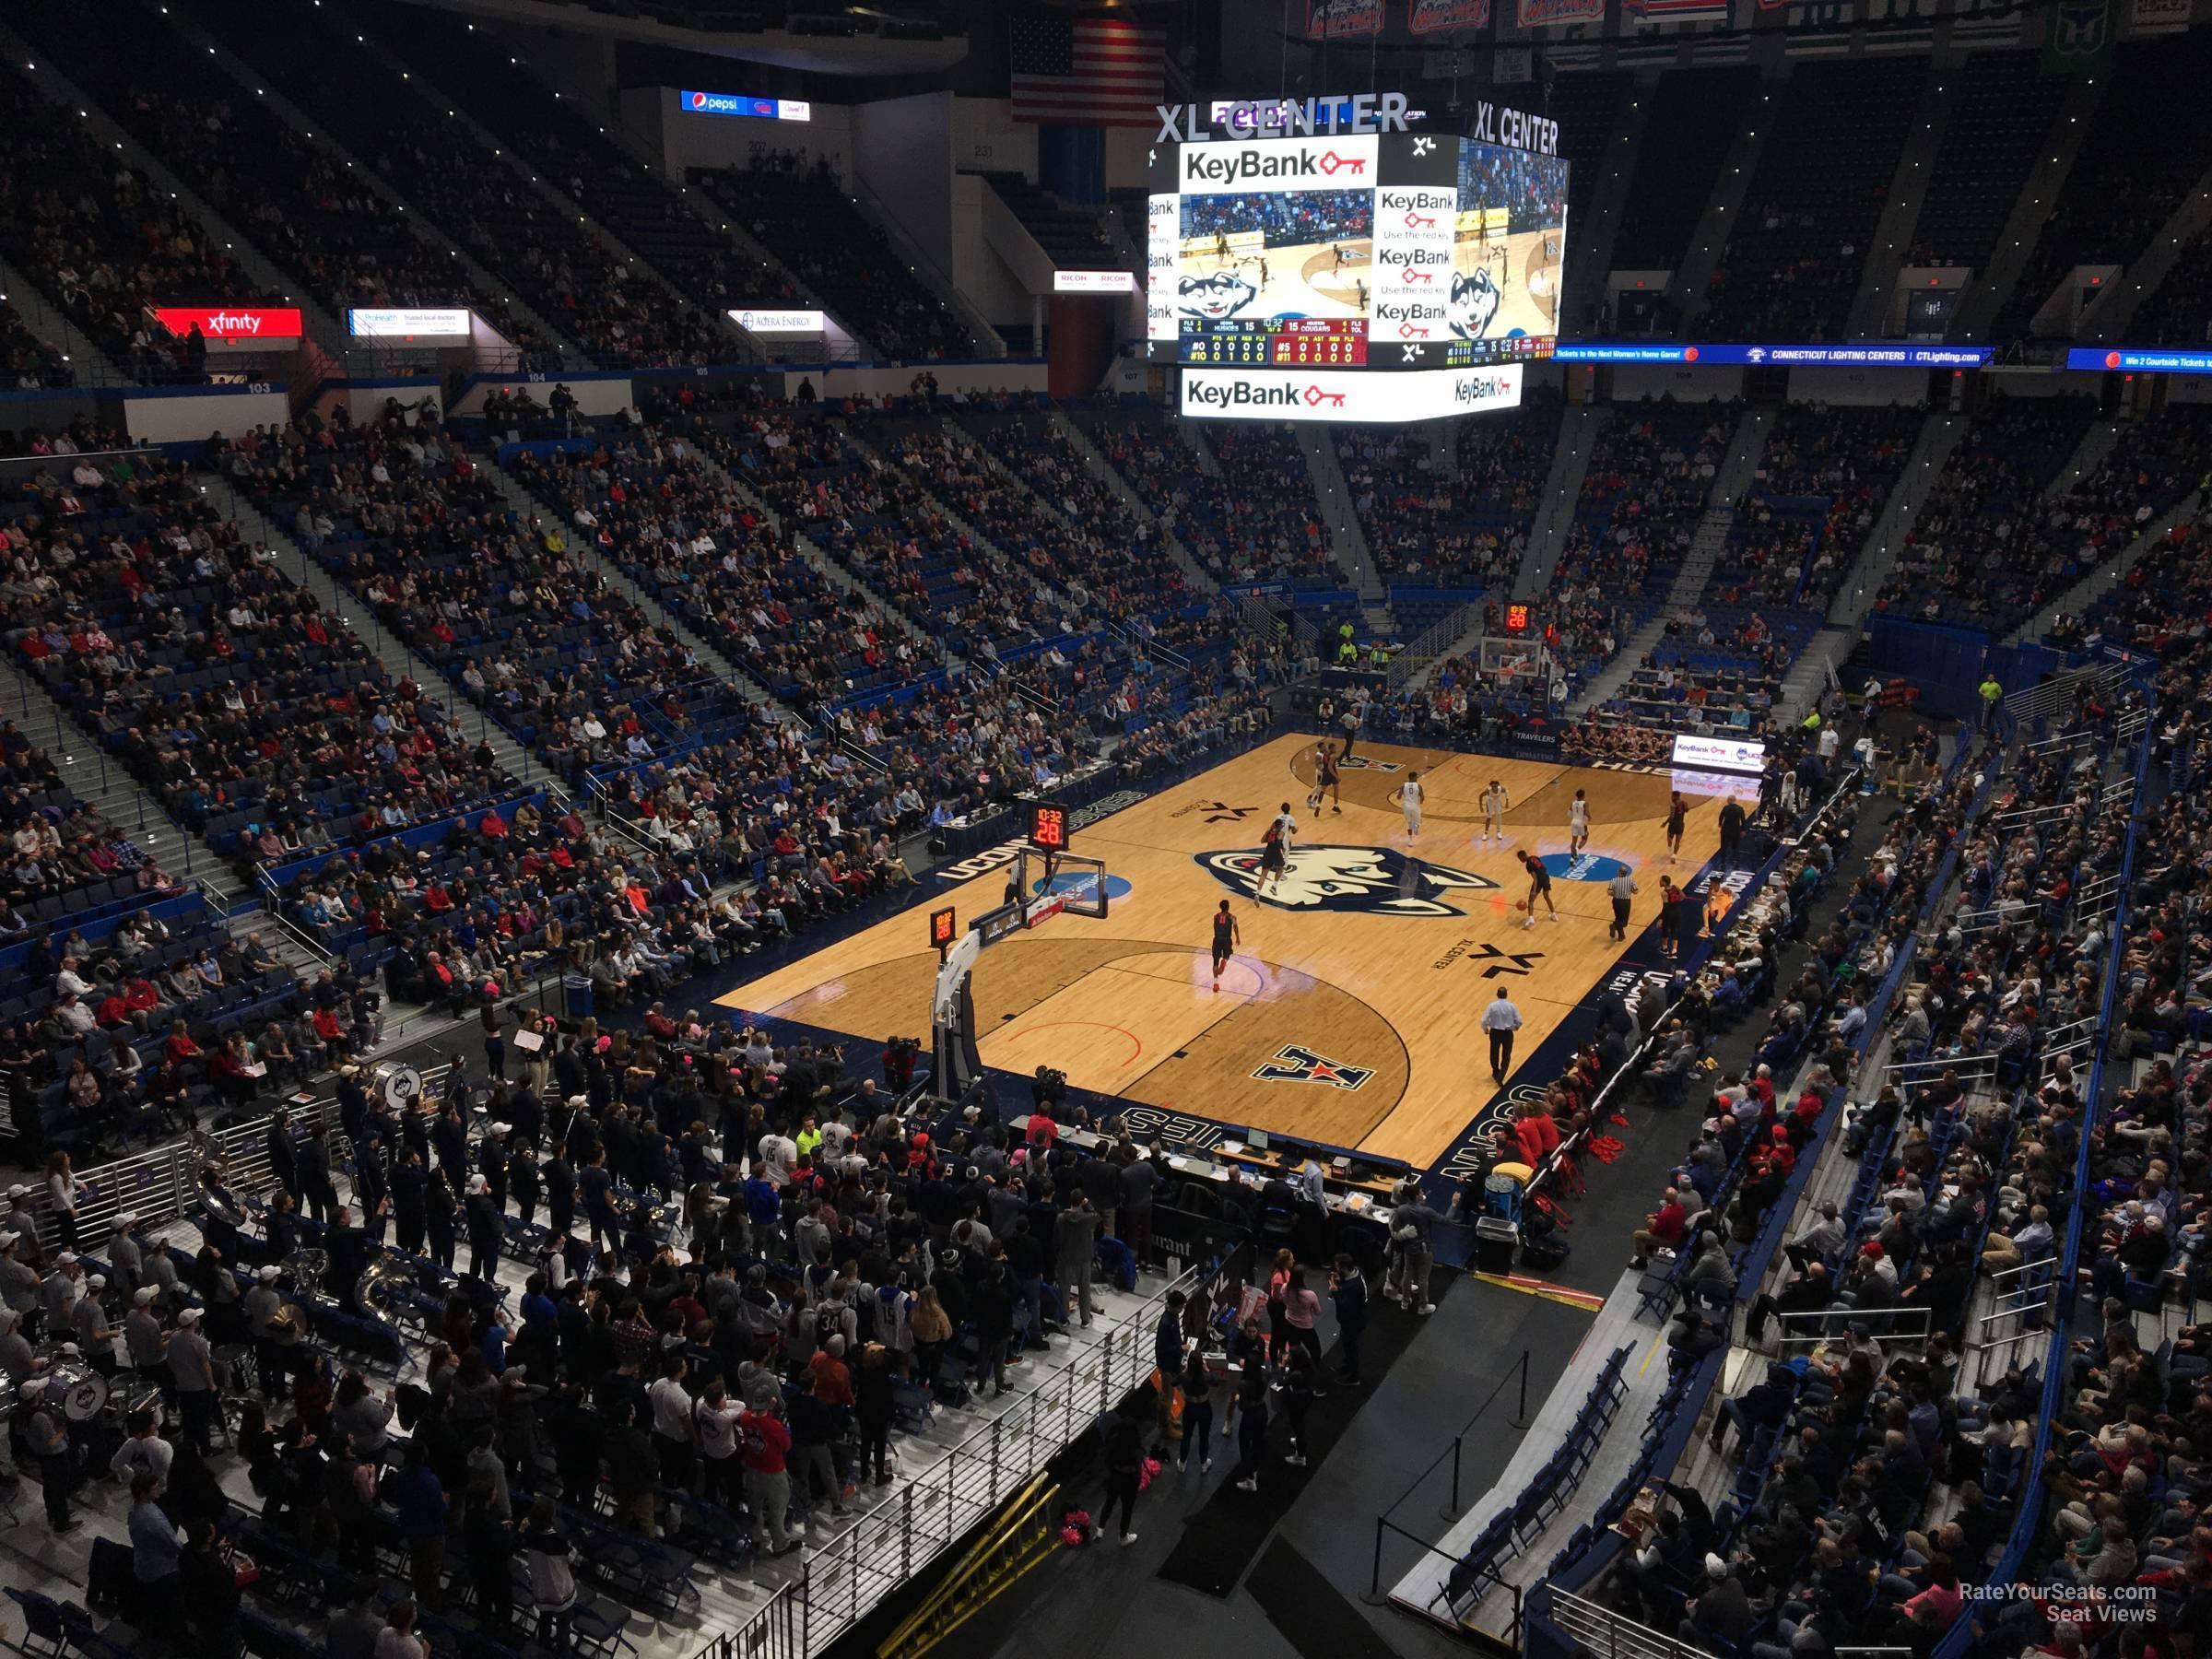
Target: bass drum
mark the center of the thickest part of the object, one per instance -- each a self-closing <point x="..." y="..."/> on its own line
<point x="398" y="1086"/>
<point x="83" y="1392"/>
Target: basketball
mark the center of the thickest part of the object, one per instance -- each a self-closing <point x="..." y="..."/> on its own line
<point x="1520" y="904"/>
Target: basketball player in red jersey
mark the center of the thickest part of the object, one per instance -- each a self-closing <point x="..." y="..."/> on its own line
<point x="1226" y="939"/>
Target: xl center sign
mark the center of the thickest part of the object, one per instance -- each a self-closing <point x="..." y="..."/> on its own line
<point x="1334" y="394"/>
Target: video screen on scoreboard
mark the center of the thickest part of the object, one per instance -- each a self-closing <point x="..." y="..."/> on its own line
<point x="1400" y="251"/>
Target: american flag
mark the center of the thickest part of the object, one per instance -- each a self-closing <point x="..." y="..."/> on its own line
<point x="1086" y="72"/>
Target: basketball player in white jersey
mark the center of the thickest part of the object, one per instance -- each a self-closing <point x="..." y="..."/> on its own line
<point x="1493" y="812"/>
<point x="1286" y="826"/>
<point x="1408" y="795"/>
<point x="1578" y="824"/>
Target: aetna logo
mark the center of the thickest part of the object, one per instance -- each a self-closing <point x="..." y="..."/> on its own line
<point x="1244" y="394"/>
<point x="1239" y="164"/>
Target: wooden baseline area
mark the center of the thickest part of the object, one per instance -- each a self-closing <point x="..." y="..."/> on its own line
<point x="1349" y="1014"/>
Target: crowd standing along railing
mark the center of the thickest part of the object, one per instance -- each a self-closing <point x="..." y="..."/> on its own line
<point x="849" y="1577"/>
<point x="1961" y="1636"/>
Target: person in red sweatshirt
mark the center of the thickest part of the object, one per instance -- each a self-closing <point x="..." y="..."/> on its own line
<point x="767" y="1442"/>
<point x="1662" y="1227"/>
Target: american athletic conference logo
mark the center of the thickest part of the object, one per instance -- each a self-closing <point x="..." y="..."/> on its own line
<point x="1374" y="880"/>
<point x="1292" y="1064"/>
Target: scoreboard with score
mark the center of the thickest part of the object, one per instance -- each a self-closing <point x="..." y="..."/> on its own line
<point x="943" y="928"/>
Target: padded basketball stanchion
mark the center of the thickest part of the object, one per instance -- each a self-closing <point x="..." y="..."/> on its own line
<point x="955" y="1063"/>
<point x="1072" y="884"/>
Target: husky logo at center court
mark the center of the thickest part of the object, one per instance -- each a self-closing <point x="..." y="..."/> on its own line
<point x="1380" y="880"/>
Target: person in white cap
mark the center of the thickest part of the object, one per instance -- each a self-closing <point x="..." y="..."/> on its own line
<point x="125" y="1260"/>
<point x="59" y="1290"/>
<point x="487" y="1230"/>
<point x="18" y="1278"/>
<point x="47" y="1436"/>
<point x="88" y="1324"/>
<point x="145" y="1341"/>
<point x="17" y="1360"/>
<point x="191" y="1362"/>
<point x="19" y="1220"/>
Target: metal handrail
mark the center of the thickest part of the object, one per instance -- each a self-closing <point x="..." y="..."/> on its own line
<point x="1428" y="646"/>
<point x="1843" y="1317"/>
<point x="1611" y="1635"/>
<point x="1972" y="1068"/>
<point x="856" y="1569"/>
<point x="860" y="754"/>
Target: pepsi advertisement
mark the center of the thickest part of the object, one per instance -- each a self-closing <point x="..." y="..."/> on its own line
<point x="743" y="104"/>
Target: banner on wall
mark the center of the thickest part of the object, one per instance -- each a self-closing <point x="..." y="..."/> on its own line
<point x="1985" y="22"/>
<point x="1552" y="13"/>
<point x="1427" y="16"/>
<point x="2079" y="37"/>
<point x="1338" y="19"/>
<point x="2136" y="359"/>
<point x="1678" y="11"/>
<point x="2159" y="17"/>
<point x="234" y="327"/>
<point x="1512" y="65"/>
<point x="1730" y="356"/>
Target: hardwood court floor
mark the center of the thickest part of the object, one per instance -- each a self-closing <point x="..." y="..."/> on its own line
<point x="1349" y="1014"/>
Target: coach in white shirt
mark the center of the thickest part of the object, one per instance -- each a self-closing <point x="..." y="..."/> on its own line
<point x="1501" y="1020"/>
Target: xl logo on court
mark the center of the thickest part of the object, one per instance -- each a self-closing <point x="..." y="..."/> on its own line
<point x="1376" y="879"/>
<point x="1294" y="1065"/>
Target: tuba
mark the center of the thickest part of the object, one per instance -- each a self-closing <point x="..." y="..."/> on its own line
<point x="217" y="1199"/>
<point x="376" y="1290"/>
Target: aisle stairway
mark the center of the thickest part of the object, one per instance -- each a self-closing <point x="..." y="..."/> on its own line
<point x="712" y="660"/>
<point x="399" y="661"/>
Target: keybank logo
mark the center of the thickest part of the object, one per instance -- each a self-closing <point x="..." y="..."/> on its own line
<point x="1479" y="389"/>
<point x="1248" y="394"/>
<point x="1229" y="165"/>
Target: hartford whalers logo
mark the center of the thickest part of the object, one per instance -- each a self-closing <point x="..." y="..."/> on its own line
<point x="1379" y="881"/>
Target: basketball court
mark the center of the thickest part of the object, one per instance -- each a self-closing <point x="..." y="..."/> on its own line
<point x="1337" y="279"/>
<point x="1299" y="279"/>
<point x="1523" y="266"/>
<point x="1348" y="1016"/>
